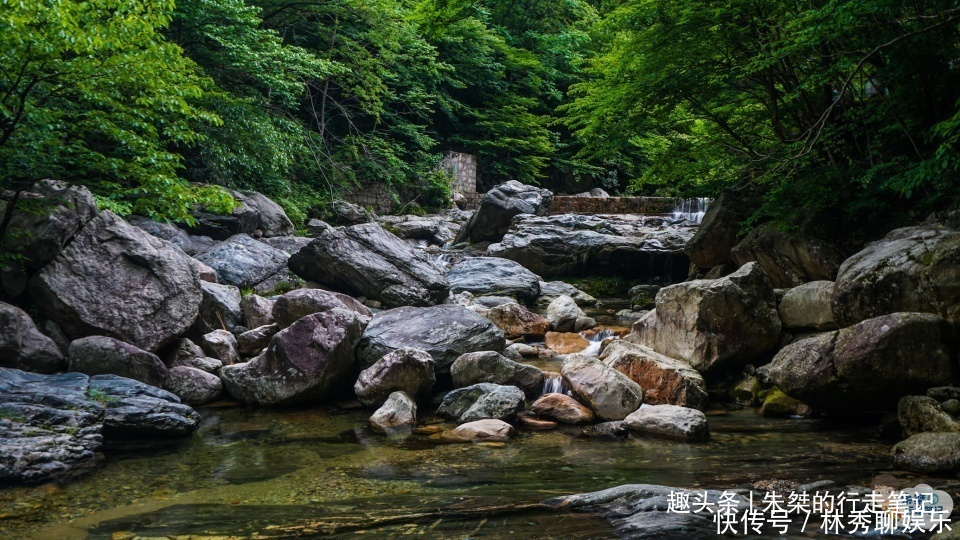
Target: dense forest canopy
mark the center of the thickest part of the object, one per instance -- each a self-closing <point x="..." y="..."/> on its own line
<point x="846" y="109"/>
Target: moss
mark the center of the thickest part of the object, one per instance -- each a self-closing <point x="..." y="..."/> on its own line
<point x="602" y="286"/>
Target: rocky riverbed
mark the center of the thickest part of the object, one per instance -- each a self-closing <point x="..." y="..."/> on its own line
<point x="442" y="374"/>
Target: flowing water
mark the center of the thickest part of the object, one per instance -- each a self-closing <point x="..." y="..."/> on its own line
<point x="692" y="209"/>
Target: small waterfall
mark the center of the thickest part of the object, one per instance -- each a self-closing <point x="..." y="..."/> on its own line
<point x="595" y="341"/>
<point x="692" y="209"/>
<point x="444" y="260"/>
<point x="553" y="385"/>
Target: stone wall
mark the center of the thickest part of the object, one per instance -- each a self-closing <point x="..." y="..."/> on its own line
<point x="463" y="169"/>
<point x="377" y="197"/>
<point x="569" y="204"/>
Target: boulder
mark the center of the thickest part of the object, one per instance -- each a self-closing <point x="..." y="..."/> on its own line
<point x="219" y="309"/>
<point x="205" y="272"/>
<point x="187" y="353"/>
<point x="944" y="393"/>
<point x="42" y="223"/>
<point x="808" y="306"/>
<point x="491" y="367"/>
<point x="584" y="323"/>
<point x="664" y="380"/>
<point x="566" y="342"/>
<point x="490" y="302"/>
<point x="488" y="430"/>
<point x="169" y="232"/>
<point x="366" y="260"/>
<point x="788" y="260"/>
<point x="96" y="355"/>
<point x="346" y="213"/>
<point x="549" y="290"/>
<point x="713" y="324"/>
<point x="483" y="400"/>
<point x="287" y="244"/>
<point x="929" y="453"/>
<point x="669" y="421"/>
<point x="920" y="414"/>
<point x="254" y="214"/>
<point x="23" y="346"/>
<point x="914" y="269"/>
<point x="445" y="332"/>
<point x="498" y="207"/>
<point x="563" y="313"/>
<point x="253" y="342"/>
<point x="718" y="231"/>
<point x="611" y="394"/>
<point x="398" y="412"/>
<point x="280" y="282"/>
<point x="516" y="320"/>
<point x="868" y="366"/>
<point x="778" y="404"/>
<point x="316" y="227"/>
<point x="257" y="311"/>
<point x="297" y="304"/>
<point x="221" y="345"/>
<point x="243" y="261"/>
<point x="562" y="408"/>
<point x="632" y="246"/>
<point x="193" y="386"/>
<point x="432" y="229"/>
<point x="643" y="296"/>
<point x="135" y="409"/>
<point x="407" y="370"/>
<point x="114" y="279"/>
<point x="306" y="362"/>
<point x="492" y="275"/>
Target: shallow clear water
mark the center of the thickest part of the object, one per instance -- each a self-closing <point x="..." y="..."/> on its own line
<point x="302" y="473"/>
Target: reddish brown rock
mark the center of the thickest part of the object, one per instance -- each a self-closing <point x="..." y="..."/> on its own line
<point x="562" y="408"/>
<point x="566" y="342"/>
<point x="665" y="380"/>
<point x="516" y="320"/>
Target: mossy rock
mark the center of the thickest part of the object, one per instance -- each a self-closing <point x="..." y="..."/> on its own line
<point x="776" y="403"/>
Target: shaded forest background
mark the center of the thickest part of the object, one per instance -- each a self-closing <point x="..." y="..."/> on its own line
<point x="842" y="114"/>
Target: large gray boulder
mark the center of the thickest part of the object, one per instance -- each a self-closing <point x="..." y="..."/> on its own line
<point x="187" y="353"/>
<point x="367" y="260"/>
<point x="243" y="261"/>
<point x="788" y="259"/>
<point x="578" y="244"/>
<point x="257" y="311"/>
<point x="496" y="276"/>
<point x="221" y="345"/>
<point x="808" y="306"/>
<point x="482" y="401"/>
<point x="911" y="269"/>
<point x="611" y="394"/>
<point x="718" y="230"/>
<point x="664" y="380"/>
<point x="253" y="342"/>
<point x="295" y="305"/>
<point x="408" y="370"/>
<point x="445" y="332"/>
<point x="287" y="244"/>
<point x="563" y="313"/>
<point x="492" y="367"/>
<point x="114" y="279"/>
<point x="97" y="355"/>
<point x="868" y="366"/>
<point x="307" y="362"/>
<point x="341" y="212"/>
<point x="43" y="222"/>
<point x="669" y="421"/>
<point x="929" y="453"/>
<point x="254" y="214"/>
<point x="23" y="346"/>
<point x="549" y="290"/>
<point x="499" y="205"/>
<point x="53" y="426"/>
<point x="219" y="309"/>
<point x="191" y="245"/>
<point x="920" y="414"/>
<point x="713" y="324"/>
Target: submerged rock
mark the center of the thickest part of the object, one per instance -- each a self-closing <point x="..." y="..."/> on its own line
<point x="713" y="324"/>
<point x="484" y="400"/>
<point x="492" y="367"/>
<point x="562" y="408"/>
<point x="670" y="421"/>
<point x="23" y="346"/>
<point x="243" y="261"/>
<point x="611" y="394"/>
<point x="578" y="244"/>
<point x="488" y="430"/>
<point x="116" y="280"/>
<point x="307" y="362"/>
<point x="913" y="269"/>
<point x="498" y="207"/>
<point x="407" y="369"/>
<point x="96" y="355"/>
<point x="398" y="412"/>
<point x="367" y="260"/>
<point x="446" y="332"/>
<point x="929" y="453"/>
<point x="867" y="366"/>
<point x="664" y="380"/>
